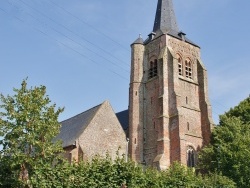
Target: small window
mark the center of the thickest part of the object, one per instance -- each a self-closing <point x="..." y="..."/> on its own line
<point x="179" y="65"/>
<point x="188" y="126"/>
<point x="135" y="140"/>
<point x="188" y="69"/>
<point x="153" y="70"/>
<point x="190" y="157"/>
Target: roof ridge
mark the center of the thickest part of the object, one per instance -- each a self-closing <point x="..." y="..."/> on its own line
<point x="94" y="115"/>
<point x="97" y="106"/>
<point x="77" y="125"/>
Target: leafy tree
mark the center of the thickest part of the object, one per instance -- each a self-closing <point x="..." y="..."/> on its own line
<point x="28" y="123"/>
<point x="179" y="175"/>
<point x="242" y="111"/>
<point x="216" y="180"/>
<point x="229" y="151"/>
<point x="29" y="157"/>
<point x="105" y="173"/>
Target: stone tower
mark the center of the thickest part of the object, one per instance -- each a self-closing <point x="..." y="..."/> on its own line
<point x="169" y="111"/>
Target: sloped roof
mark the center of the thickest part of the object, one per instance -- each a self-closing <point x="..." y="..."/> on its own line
<point x="138" y="41"/>
<point x="165" y="17"/>
<point x="178" y="36"/>
<point x="166" y="24"/>
<point x="123" y="119"/>
<point x="73" y="127"/>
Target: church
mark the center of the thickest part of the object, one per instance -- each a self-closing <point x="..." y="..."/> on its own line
<point x="169" y="116"/>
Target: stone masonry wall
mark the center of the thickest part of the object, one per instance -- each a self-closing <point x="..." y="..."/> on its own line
<point x="136" y="104"/>
<point x="188" y="105"/>
<point x="103" y="135"/>
<point x="175" y="108"/>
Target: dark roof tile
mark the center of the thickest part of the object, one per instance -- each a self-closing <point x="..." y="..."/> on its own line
<point x="73" y="127"/>
<point x="123" y="119"/>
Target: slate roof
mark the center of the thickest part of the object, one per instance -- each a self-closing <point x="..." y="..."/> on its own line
<point x="73" y="127"/>
<point x="138" y="41"/>
<point x="123" y="119"/>
<point x="165" y="23"/>
<point x="165" y="16"/>
<point x="178" y="36"/>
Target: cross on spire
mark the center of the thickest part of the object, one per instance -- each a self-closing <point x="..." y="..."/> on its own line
<point x="165" y="17"/>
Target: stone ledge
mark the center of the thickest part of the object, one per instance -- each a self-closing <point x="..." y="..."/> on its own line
<point x="163" y="139"/>
<point x="158" y="158"/>
<point x="191" y="108"/>
<point x="136" y="83"/>
<point x="193" y="135"/>
<point x="161" y="96"/>
<point x="165" y="116"/>
<point x="188" y="80"/>
<point x="151" y="79"/>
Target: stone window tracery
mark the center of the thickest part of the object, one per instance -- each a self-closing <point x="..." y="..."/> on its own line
<point x="153" y="69"/>
<point x="190" y="157"/>
<point x="188" y="69"/>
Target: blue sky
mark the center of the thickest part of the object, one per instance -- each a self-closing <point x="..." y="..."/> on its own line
<point x="80" y="49"/>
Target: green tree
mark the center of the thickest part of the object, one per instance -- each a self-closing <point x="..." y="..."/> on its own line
<point x="30" y="158"/>
<point x="105" y="173"/>
<point x="28" y="124"/>
<point x="179" y="175"/>
<point x="241" y="111"/>
<point x="229" y="151"/>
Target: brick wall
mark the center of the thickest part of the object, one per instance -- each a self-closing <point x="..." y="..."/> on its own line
<point x="176" y="109"/>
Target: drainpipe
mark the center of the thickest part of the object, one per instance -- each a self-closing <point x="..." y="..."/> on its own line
<point x="126" y="159"/>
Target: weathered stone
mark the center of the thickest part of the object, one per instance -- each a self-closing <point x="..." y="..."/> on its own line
<point x="169" y="112"/>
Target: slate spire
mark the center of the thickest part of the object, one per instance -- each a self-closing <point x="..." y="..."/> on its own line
<point x="165" y="17"/>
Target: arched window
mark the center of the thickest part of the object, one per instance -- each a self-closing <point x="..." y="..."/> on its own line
<point x="153" y="70"/>
<point x="190" y="157"/>
<point x="188" y="69"/>
<point x="179" y="64"/>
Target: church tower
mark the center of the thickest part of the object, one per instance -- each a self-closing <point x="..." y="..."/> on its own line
<point x="169" y="111"/>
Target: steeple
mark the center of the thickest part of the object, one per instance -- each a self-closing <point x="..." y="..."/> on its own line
<point x="165" y="17"/>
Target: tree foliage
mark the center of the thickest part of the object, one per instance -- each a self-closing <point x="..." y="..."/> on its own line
<point x="30" y="158"/>
<point x="105" y="173"/>
<point x="28" y="123"/>
<point x="229" y="151"/>
<point x="241" y="111"/>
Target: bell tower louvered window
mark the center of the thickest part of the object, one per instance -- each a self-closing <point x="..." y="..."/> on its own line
<point x="179" y="64"/>
<point x="188" y="69"/>
<point x="153" y="69"/>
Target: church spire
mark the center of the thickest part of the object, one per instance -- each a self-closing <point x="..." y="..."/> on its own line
<point x="165" y="17"/>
